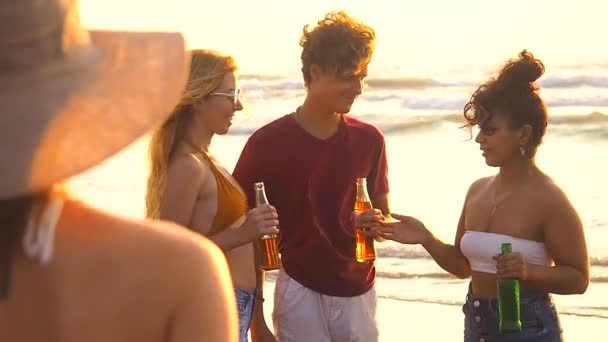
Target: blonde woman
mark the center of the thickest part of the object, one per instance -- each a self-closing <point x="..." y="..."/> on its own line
<point x="69" y="99"/>
<point x="188" y="186"/>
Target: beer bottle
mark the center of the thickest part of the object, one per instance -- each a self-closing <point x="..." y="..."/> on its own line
<point x="267" y="244"/>
<point x="364" y="245"/>
<point x="508" y="301"/>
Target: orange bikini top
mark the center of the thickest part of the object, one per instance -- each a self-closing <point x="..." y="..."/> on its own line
<point x="231" y="202"/>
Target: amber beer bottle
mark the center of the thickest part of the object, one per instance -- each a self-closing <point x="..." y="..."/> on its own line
<point x="364" y="250"/>
<point x="267" y="244"/>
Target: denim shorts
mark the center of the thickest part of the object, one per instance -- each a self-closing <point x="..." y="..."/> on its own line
<point x="245" y="301"/>
<point x="540" y="322"/>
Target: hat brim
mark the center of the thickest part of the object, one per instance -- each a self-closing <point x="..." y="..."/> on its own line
<point x="54" y="128"/>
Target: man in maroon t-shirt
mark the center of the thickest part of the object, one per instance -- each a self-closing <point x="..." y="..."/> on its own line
<point x="309" y="161"/>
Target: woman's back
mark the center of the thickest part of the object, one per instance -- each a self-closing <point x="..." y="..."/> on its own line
<point x="112" y="279"/>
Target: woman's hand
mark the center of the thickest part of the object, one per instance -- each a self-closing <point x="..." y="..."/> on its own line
<point x="406" y="230"/>
<point x="511" y="266"/>
<point x="261" y="221"/>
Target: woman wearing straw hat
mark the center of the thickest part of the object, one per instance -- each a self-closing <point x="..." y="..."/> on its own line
<point x="68" y="100"/>
<point x="188" y="185"/>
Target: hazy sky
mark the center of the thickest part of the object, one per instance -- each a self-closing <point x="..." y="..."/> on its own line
<point x="418" y="36"/>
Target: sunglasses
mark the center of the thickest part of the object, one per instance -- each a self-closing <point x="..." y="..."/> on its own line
<point x="235" y="95"/>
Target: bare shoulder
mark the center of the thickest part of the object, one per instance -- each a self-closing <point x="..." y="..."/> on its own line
<point x="160" y="249"/>
<point x="551" y="195"/>
<point x="180" y="249"/>
<point x="127" y="267"/>
<point x="478" y="185"/>
<point x="482" y="182"/>
<point x="183" y="244"/>
<point x="187" y="166"/>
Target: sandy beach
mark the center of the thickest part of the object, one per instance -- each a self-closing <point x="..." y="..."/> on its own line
<point x="400" y="320"/>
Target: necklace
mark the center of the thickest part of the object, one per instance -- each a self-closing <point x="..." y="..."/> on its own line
<point x="495" y="200"/>
<point x="522" y="180"/>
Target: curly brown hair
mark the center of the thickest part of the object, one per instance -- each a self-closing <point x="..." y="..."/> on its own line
<point x="338" y="43"/>
<point x="514" y="92"/>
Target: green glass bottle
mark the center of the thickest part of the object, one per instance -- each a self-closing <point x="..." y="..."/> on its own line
<point x="509" y="310"/>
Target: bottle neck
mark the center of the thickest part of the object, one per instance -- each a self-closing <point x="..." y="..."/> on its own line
<point x="362" y="195"/>
<point x="260" y="197"/>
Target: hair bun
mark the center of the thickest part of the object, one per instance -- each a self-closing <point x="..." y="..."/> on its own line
<point x="523" y="71"/>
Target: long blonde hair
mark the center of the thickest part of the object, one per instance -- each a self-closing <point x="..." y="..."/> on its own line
<point x="207" y="71"/>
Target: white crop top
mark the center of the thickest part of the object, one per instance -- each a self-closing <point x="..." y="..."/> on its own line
<point x="480" y="247"/>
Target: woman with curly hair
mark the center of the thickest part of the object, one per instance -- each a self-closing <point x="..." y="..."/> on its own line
<point x="520" y="205"/>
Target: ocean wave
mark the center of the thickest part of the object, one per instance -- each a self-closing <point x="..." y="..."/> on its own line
<point x="260" y="77"/>
<point x="578" y="101"/>
<point x="598" y="261"/>
<point x="408" y="83"/>
<point x="259" y="94"/>
<point x="278" y="84"/>
<point x="595" y="312"/>
<point x="589" y="125"/>
<point x="552" y="81"/>
<point x="596" y="81"/>
<point x="592" y="118"/>
<point x="434" y="103"/>
<point x="594" y="124"/>
<point x="600" y="279"/>
<point x="457" y="102"/>
<point x="405" y="275"/>
<point x="407" y="252"/>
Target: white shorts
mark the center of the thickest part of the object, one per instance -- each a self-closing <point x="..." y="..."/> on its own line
<point x="302" y="315"/>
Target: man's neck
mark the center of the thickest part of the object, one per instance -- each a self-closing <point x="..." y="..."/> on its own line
<point x="317" y="121"/>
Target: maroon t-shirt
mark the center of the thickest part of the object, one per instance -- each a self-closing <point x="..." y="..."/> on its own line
<point x="312" y="183"/>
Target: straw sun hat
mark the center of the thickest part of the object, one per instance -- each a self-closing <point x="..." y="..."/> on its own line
<point x="70" y="98"/>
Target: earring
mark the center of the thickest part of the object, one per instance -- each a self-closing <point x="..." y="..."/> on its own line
<point x="522" y="150"/>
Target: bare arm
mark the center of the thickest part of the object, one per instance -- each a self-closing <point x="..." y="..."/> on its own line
<point x="411" y="231"/>
<point x="259" y="222"/>
<point x="230" y="238"/>
<point x="449" y="257"/>
<point x="565" y="241"/>
<point x="185" y="179"/>
<point x="207" y="309"/>
<point x="381" y="203"/>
